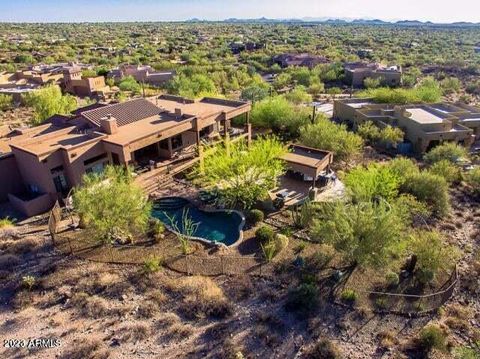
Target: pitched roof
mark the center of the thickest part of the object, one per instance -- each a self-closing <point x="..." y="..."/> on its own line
<point x="125" y="113"/>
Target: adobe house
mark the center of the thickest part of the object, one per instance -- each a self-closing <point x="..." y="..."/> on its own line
<point x="76" y="84"/>
<point x="425" y="126"/>
<point x="40" y="165"/>
<point x="357" y="72"/>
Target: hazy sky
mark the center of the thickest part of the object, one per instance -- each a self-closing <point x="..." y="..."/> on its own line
<point x="157" y="10"/>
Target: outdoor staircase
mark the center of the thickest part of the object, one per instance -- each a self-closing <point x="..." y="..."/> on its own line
<point x="156" y="182"/>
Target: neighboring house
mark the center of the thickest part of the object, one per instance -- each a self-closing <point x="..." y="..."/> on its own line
<point x="145" y="74"/>
<point x="357" y="72"/>
<point x="40" y="165"/>
<point x="306" y="60"/>
<point x="240" y="46"/>
<point x="76" y="84"/>
<point x="425" y="126"/>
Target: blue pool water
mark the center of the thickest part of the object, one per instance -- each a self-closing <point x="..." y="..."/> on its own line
<point x="221" y="226"/>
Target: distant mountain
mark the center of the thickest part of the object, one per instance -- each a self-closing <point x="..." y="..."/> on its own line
<point x="361" y="21"/>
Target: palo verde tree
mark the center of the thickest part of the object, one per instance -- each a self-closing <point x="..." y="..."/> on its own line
<point x="49" y="101"/>
<point x="366" y="233"/>
<point x="111" y="206"/>
<point x="244" y="175"/>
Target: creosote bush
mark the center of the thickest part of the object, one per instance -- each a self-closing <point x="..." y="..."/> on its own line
<point x="448" y="151"/>
<point x="255" y="216"/>
<point x="349" y="296"/>
<point x="265" y="234"/>
<point x="302" y="299"/>
<point x="432" y="337"/>
<point x="323" y="349"/>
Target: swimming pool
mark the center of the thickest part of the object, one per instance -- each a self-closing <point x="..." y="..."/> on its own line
<point x="219" y="226"/>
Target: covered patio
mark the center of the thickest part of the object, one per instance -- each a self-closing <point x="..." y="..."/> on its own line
<point x="308" y="172"/>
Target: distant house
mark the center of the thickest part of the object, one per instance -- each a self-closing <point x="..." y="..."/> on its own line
<point x="76" y="84"/>
<point x="145" y="74"/>
<point x="305" y="60"/>
<point x="239" y="46"/>
<point x="425" y="126"/>
<point x="357" y="72"/>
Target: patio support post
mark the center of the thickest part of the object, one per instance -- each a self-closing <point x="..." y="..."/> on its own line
<point x="227" y="143"/>
<point x="201" y="157"/>
<point x="249" y="134"/>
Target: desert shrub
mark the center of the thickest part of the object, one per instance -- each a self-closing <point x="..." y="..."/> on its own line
<point x="6" y="102"/>
<point x="302" y="215"/>
<point x="86" y="349"/>
<point x="89" y="306"/>
<point x="28" y="281"/>
<point x="447" y="170"/>
<point x="281" y="242"/>
<point x="156" y="229"/>
<point x="429" y="188"/>
<point x="374" y="182"/>
<point x="265" y="234"/>
<point x="132" y="333"/>
<point x="387" y="136"/>
<point x="279" y="114"/>
<point x="329" y="136"/>
<point x="428" y="91"/>
<point x="6" y="222"/>
<point x="433" y="255"/>
<point x="349" y="296"/>
<point x="432" y="337"/>
<point x="320" y="259"/>
<point x="403" y="167"/>
<point x="128" y="83"/>
<point x="112" y="206"/>
<point x="268" y="250"/>
<point x="473" y="180"/>
<point x="202" y="297"/>
<point x="323" y="349"/>
<point x="147" y="309"/>
<point x="302" y="299"/>
<point x="392" y="279"/>
<point x="366" y="234"/>
<point x="255" y="216"/>
<point x="447" y="151"/>
<point x="468" y="352"/>
<point x="152" y="264"/>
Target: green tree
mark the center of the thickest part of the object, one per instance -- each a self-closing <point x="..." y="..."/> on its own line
<point x="244" y="175"/>
<point x="111" y="205"/>
<point x="298" y="96"/>
<point x="372" y="83"/>
<point x="326" y="135"/>
<point x="366" y="233"/>
<point x="49" y="101"/>
<point x="254" y="93"/>
<point x="371" y="183"/>
<point x="128" y="83"/>
<point x="197" y="85"/>
<point x="280" y="115"/>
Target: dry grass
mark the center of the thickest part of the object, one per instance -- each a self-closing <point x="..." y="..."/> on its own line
<point x="92" y="349"/>
<point x="133" y="333"/>
<point x="89" y="306"/>
<point x="147" y="309"/>
<point x="156" y="296"/>
<point x="241" y="287"/>
<point x="202" y="297"/>
<point x="24" y="245"/>
<point x="387" y="339"/>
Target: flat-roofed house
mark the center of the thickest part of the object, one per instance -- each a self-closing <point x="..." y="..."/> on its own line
<point x="424" y="126"/>
<point x="45" y="162"/>
<point x="357" y="72"/>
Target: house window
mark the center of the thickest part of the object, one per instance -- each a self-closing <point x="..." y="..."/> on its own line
<point x="164" y="144"/>
<point x="205" y="131"/>
<point x="94" y="159"/>
<point x="59" y="180"/>
<point x="97" y="168"/>
<point x="177" y="142"/>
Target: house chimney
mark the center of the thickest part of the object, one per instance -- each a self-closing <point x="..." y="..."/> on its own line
<point x="178" y="112"/>
<point x="109" y="124"/>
